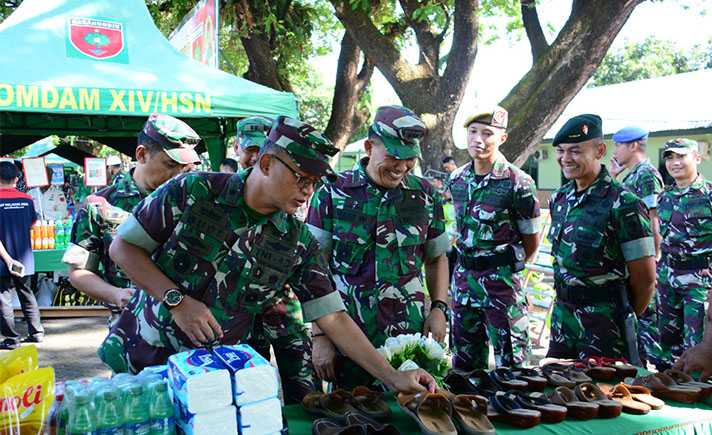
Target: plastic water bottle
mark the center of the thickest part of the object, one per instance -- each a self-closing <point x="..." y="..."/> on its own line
<point x="82" y="420"/>
<point x="64" y="410"/>
<point x="137" y="421"/>
<point x="111" y="419"/>
<point x="161" y="409"/>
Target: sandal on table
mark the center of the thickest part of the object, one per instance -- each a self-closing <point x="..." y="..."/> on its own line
<point x="643" y="395"/>
<point x="333" y="405"/>
<point x="470" y="411"/>
<point x="575" y="408"/>
<point x="503" y="409"/>
<point x="550" y="413"/>
<point x="684" y="379"/>
<point x="623" y="369"/>
<point x="620" y="393"/>
<point x="370" y="425"/>
<point x="607" y="408"/>
<point x="431" y="411"/>
<point x="324" y="426"/>
<point x="594" y="368"/>
<point x="534" y="378"/>
<point x="484" y="383"/>
<point x="663" y="387"/>
<point x="505" y="377"/>
<point x="459" y="382"/>
<point x="371" y="403"/>
<point x="562" y="375"/>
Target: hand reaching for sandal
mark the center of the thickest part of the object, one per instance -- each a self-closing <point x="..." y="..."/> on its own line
<point x="697" y="358"/>
<point x="410" y="381"/>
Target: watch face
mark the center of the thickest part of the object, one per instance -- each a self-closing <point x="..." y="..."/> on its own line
<point x="173" y="297"/>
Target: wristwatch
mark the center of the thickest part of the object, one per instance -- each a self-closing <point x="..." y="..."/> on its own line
<point x="172" y="298"/>
<point x="442" y="306"/>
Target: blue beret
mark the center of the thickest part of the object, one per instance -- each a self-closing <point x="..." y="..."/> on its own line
<point x="579" y="129"/>
<point x="630" y="134"/>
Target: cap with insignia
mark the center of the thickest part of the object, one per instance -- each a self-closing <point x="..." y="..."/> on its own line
<point x="176" y="137"/>
<point x="681" y="146"/>
<point x="496" y="117"/>
<point x="630" y="134"/>
<point x="308" y="148"/>
<point x="252" y="131"/>
<point x="579" y="129"/>
<point x="400" y="131"/>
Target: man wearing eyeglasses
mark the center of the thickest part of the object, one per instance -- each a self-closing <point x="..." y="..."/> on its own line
<point x="209" y="252"/>
<point x="379" y="226"/>
<point x="251" y="134"/>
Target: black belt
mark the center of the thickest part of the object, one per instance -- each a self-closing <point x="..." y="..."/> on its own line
<point x="484" y="262"/>
<point x="688" y="263"/>
<point x="578" y="294"/>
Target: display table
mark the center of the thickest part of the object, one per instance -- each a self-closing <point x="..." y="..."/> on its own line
<point x="673" y="418"/>
<point x="49" y="260"/>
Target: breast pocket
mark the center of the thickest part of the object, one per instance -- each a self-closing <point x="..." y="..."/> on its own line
<point x="411" y="248"/>
<point x="348" y="256"/>
<point x="698" y="218"/>
<point x="588" y="243"/>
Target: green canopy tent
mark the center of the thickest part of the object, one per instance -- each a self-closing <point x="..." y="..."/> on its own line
<point x="98" y="68"/>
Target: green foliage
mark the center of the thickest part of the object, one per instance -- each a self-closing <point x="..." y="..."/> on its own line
<point x="7" y="7"/>
<point x="652" y="58"/>
<point x="315" y="98"/>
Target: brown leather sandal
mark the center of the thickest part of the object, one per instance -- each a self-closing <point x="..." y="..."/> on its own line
<point x="663" y="387"/>
<point x="371" y="403"/>
<point x="550" y="413"/>
<point x="333" y="405"/>
<point x="431" y="411"/>
<point x="683" y="379"/>
<point x="503" y="409"/>
<point x="575" y="408"/>
<point x="607" y="408"/>
<point x="535" y="379"/>
<point x="324" y="426"/>
<point x="642" y="394"/>
<point x="470" y="411"/>
<point x="621" y="394"/>
<point x="370" y="425"/>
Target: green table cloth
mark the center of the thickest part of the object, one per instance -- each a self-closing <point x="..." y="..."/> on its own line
<point x="674" y="418"/>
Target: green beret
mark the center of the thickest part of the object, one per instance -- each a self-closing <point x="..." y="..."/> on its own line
<point x="579" y="129"/>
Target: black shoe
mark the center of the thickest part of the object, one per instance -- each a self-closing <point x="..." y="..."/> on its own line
<point x="34" y="338"/>
<point x="9" y="345"/>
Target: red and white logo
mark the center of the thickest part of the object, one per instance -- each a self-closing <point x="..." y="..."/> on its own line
<point x="584" y="129"/>
<point x="99" y="39"/>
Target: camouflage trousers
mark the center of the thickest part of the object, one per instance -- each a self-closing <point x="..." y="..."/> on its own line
<point x="682" y="296"/>
<point x="505" y="321"/>
<point x="582" y="331"/>
<point x="648" y="336"/>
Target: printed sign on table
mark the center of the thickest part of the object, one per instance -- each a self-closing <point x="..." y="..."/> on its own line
<point x="35" y="171"/>
<point x="95" y="171"/>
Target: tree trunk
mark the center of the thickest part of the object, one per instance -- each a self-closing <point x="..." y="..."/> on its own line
<point x="263" y="69"/>
<point x="540" y="97"/>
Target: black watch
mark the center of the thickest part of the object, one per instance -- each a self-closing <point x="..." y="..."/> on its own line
<point x="172" y="298"/>
<point x="442" y="306"/>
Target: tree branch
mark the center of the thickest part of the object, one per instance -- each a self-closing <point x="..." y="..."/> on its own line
<point x="532" y="25"/>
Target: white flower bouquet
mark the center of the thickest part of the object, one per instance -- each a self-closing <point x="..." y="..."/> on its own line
<point x="412" y="351"/>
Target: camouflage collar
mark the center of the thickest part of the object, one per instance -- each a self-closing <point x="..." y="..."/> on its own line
<point x="359" y="178"/>
<point x="500" y="165"/>
<point x="231" y="195"/>
<point x="599" y="187"/>
<point x="127" y="187"/>
<point x="697" y="184"/>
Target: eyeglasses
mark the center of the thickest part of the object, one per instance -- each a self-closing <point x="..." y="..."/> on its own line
<point x="303" y="181"/>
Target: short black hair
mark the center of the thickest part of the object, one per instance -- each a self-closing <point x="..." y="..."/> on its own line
<point x="151" y="144"/>
<point x="8" y="171"/>
<point x="230" y="163"/>
<point x="448" y="159"/>
<point x="642" y="144"/>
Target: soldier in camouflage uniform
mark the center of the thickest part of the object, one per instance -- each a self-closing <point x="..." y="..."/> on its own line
<point x="251" y="134"/>
<point x="208" y="252"/>
<point x="379" y="225"/>
<point x="165" y="147"/>
<point x="604" y="264"/>
<point x="646" y="183"/>
<point x="498" y="221"/>
<point x="685" y="277"/>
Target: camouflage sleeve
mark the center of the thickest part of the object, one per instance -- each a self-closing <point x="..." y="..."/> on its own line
<point x="312" y="284"/>
<point x="632" y="227"/>
<point x="319" y="218"/>
<point x="526" y="205"/>
<point x="438" y="241"/>
<point x="649" y="189"/>
<point x="155" y="217"/>
<point x="87" y="245"/>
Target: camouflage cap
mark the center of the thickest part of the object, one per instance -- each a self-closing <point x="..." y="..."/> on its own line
<point x="681" y="146"/>
<point x="252" y="131"/>
<point x="496" y="117"/>
<point x="579" y="129"/>
<point x="175" y="136"/>
<point x="308" y="148"/>
<point x="400" y="131"/>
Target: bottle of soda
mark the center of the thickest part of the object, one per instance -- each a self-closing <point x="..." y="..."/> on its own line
<point x="136" y="418"/>
<point x="161" y="409"/>
<point x="52" y="420"/>
<point x="111" y="420"/>
<point x="82" y="420"/>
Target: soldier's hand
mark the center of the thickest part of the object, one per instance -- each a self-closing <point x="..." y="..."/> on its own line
<point x="323" y="358"/>
<point x="697" y="358"/>
<point x="615" y="169"/>
<point x="122" y="297"/>
<point x="437" y="324"/>
<point x="411" y="381"/>
<point x="195" y="319"/>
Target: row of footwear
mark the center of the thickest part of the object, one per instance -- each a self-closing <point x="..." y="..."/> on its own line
<point x="354" y="423"/>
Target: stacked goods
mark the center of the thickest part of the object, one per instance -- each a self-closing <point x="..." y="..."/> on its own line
<point x="255" y="388"/>
<point x="26" y="392"/>
<point x="51" y="234"/>
<point x="202" y="394"/>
